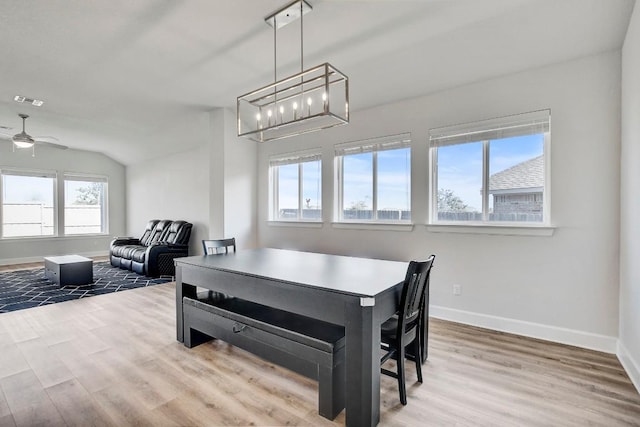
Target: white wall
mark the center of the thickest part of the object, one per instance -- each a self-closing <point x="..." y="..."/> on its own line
<point x="563" y="287"/>
<point x="240" y="185"/>
<point x="629" y="344"/>
<point x="213" y="187"/>
<point x="60" y="161"/>
<point x="175" y="188"/>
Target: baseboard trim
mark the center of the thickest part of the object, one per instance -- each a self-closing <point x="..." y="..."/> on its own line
<point x="631" y="366"/>
<point x="607" y="344"/>
<point x="13" y="261"/>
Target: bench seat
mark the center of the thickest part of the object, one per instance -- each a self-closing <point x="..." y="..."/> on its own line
<point x="308" y="346"/>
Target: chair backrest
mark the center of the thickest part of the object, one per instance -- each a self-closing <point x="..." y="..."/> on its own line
<point x="177" y="233"/>
<point x="416" y="284"/>
<point x="148" y="231"/>
<point x="214" y="247"/>
<point x="159" y="231"/>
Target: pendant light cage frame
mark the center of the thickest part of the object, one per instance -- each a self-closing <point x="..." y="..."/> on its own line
<point x="314" y="99"/>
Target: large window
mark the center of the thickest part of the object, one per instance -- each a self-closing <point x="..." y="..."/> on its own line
<point x="296" y="187"/>
<point x="374" y="180"/>
<point x="28" y="203"/>
<point x="491" y="172"/>
<point x="85" y="204"/>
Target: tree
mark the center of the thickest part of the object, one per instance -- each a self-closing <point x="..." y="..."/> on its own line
<point x="449" y="202"/>
<point x="89" y="195"/>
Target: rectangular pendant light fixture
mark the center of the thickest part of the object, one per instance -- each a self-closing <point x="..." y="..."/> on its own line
<point x="314" y="99"/>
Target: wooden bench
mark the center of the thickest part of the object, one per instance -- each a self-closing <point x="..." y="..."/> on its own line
<point x="310" y="347"/>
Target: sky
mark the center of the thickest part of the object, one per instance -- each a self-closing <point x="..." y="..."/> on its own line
<point x="394" y="179"/>
<point x="20" y="189"/>
<point x="460" y="166"/>
<point x="311" y="186"/>
<point x="28" y="189"/>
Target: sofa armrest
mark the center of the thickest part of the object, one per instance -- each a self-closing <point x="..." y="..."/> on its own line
<point x="159" y="257"/>
<point x="121" y="241"/>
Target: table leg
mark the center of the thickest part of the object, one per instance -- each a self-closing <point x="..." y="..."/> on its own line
<point x="179" y="311"/>
<point x="363" y="366"/>
<point x="182" y="290"/>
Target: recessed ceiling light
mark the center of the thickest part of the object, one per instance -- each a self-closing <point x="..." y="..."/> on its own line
<point x="34" y="102"/>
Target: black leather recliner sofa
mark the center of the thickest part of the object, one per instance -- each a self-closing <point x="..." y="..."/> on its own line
<point x="153" y="253"/>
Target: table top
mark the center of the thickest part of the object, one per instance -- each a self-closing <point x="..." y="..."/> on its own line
<point x="67" y="259"/>
<point x="362" y="277"/>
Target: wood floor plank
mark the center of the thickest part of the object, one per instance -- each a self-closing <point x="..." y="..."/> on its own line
<point x="48" y="367"/>
<point x="18" y="327"/>
<point x="125" y="409"/>
<point x="7" y="421"/>
<point x="13" y="361"/>
<point x="42" y="415"/>
<point x="23" y="391"/>
<point x="4" y="406"/>
<point x="114" y="361"/>
<point x="76" y="405"/>
<point x="93" y="375"/>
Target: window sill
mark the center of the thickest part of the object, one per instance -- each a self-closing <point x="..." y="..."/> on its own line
<point x="500" y="230"/>
<point x="54" y="238"/>
<point x="303" y="224"/>
<point x="386" y="226"/>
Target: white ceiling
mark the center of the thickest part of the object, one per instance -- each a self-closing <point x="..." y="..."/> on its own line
<point x="132" y="78"/>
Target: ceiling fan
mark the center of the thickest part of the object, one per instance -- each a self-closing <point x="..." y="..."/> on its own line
<point x="24" y="140"/>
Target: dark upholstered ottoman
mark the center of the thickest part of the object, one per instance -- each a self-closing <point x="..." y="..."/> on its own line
<point x="69" y="270"/>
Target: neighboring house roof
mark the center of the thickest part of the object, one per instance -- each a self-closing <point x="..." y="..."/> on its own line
<point x="526" y="175"/>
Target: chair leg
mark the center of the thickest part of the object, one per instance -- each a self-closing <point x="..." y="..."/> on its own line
<point x="401" y="380"/>
<point x="417" y="350"/>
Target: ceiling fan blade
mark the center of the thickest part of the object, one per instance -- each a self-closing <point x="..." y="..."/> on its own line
<point x="5" y="136"/>
<point x="51" y="139"/>
<point x="50" y="144"/>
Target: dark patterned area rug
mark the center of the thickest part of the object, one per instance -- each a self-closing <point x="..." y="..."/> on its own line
<point x="29" y="288"/>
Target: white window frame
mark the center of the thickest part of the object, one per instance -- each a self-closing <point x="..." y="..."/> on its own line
<point x="299" y="158"/>
<point x="373" y="145"/>
<point x="484" y="131"/>
<point x="36" y="174"/>
<point x="73" y="176"/>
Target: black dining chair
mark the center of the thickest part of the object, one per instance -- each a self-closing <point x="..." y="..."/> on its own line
<point x="219" y="246"/>
<point x="404" y="328"/>
<point x="215" y="247"/>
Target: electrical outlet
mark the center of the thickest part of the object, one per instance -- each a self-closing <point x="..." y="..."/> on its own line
<point x="457" y="290"/>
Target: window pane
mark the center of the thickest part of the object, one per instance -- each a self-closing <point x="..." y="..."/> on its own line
<point x="311" y="190"/>
<point x="84" y="207"/>
<point x="516" y="179"/>
<point x="394" y="178"/>
<point x="460" y="182"/>
<point x="357" y="186"/>
<point x="27" y="206"/>
<point x="288" y="191"/>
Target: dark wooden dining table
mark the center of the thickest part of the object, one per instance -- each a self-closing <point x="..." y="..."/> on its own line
<point x="357" y="293"/>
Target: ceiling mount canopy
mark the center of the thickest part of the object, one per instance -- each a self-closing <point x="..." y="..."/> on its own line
<point x="314" y="99"/>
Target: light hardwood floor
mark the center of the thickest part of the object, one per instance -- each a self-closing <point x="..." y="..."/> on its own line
<point x="26" y="266"/>
<point x="113" y="360"/>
